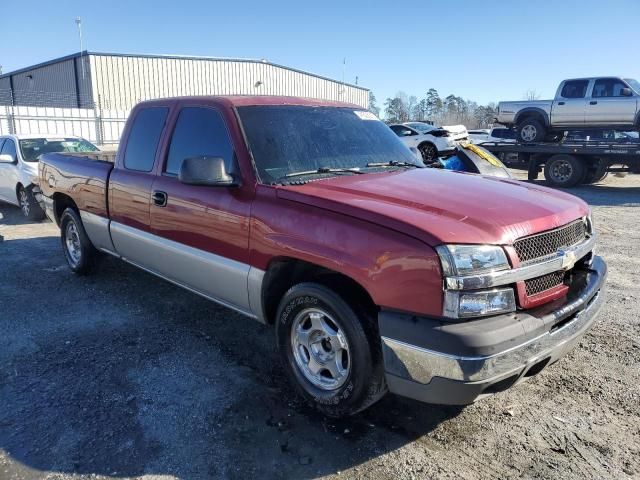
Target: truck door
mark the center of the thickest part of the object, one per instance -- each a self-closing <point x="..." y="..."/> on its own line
<point x="607" y="106"/>
<point x="202" y="231"/>
<point x="130" y="185"/>
<point x="569" y="106"/>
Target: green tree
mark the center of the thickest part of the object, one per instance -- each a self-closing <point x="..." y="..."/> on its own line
<point x="373" y="107"/>
<point x="434" y="104"/>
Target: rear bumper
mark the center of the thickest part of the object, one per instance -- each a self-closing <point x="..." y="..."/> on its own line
<point x="46" y="204"/>
<point x="456" y="363"/>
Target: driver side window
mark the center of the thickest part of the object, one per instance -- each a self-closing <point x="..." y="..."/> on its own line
<point x="199" y="131"/>
<point x="402" y="131"/>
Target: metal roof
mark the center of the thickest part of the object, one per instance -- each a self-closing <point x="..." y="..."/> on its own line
<point x="177" y="57"/>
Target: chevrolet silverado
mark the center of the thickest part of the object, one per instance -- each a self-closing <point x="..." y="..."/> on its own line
<point x="379" y="274"/>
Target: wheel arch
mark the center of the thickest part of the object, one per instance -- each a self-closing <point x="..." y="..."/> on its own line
<point x="532" y="112"/>
<point x="19" y="185"/>
<point x="60" y="203"/>
<point x="285" y="272"/>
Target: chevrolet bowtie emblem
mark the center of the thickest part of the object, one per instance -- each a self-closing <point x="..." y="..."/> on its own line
<point x="568" y="259"/>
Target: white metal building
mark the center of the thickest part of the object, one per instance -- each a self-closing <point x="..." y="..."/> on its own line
<point x="118" y="81"/>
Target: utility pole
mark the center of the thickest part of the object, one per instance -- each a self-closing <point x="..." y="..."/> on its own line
<point x="79" y="24"/>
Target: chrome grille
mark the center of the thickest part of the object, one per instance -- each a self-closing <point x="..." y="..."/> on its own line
<point x="544" y="282"/>
<point x="546" y="244"/>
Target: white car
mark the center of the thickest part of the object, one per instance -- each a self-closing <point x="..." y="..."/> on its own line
<point x="496" y="134"/>
<point x="19" y="166"/>
<point x="432" y="142"/>
<point x="479" y="135"/>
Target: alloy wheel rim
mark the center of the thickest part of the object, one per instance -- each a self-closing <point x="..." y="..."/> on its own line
<point x="528" y="133"/>
<point x="72" y="242"/>
<point x="428" y="152"/>
<point x="320" y="349"/>
<point x="24" y="202"/>
<point x="561" y="171"/>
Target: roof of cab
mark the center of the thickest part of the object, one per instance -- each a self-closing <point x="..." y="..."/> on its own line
<point x="252" y="100"/>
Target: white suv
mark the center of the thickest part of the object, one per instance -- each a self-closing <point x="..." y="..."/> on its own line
<point x="432" y="142"/>
<point x="19" y="166"/>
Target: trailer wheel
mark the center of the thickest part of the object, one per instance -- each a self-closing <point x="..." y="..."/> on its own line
<point x="597" y="174"/>
<point x="531" y="130"/>
<point x="564" y="171"/>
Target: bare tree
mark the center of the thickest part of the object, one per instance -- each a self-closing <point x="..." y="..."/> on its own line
<point x="531" y="94"/>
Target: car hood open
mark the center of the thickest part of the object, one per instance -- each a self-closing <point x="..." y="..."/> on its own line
<point x="443" y="207"/>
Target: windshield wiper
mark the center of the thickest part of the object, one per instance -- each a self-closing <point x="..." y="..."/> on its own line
<point x="394" y="163"/>
<point x="320" y="170"/>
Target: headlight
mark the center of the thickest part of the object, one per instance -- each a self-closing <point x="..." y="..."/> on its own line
<point x="479" y="303"/>
<point x="471" y="259"/>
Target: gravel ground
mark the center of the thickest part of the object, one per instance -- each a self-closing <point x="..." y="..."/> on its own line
<point x="124" y="375"/>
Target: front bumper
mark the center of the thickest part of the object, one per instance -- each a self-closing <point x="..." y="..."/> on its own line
<point x="455" y="363"/>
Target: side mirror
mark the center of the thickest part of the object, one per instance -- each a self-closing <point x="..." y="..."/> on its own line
<point x="6" y="158"/>
<point x="206" y="171"/>
<point x="625" y="92"/>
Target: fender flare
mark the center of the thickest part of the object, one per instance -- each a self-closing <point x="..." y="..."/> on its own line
<point x="532" y="111"/>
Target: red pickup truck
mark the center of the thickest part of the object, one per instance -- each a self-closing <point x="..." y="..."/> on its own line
<point x="378" y="273"/>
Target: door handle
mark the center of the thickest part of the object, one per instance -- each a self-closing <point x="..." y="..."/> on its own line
<point x="159" y="198"/>
<point x="593" y="102"/>
<point x="560" y="103"/>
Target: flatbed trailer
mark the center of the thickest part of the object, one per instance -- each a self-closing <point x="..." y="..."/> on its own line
<point x="567" y="164"/>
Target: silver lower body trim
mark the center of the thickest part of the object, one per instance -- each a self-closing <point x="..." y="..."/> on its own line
<point x="232" y="284"/>
<point x="97" y="229"/>
<point x="211" y="275"/>
<point x="422" y="365"/>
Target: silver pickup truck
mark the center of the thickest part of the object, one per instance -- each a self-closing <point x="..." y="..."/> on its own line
<point x="580" y="103"/>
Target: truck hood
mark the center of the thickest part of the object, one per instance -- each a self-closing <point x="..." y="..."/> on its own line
<point x="441" y="206"/>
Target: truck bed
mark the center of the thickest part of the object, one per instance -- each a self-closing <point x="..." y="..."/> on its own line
<point x="83" y="177"/>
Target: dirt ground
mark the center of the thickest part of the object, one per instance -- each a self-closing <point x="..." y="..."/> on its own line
<point x="123" y="375"/>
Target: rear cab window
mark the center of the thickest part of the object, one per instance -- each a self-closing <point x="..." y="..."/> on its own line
<point x="574" y="89"/>
<point x="144" y="137"/>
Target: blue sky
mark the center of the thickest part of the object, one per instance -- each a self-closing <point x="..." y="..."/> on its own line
<point x="481" y="50"/>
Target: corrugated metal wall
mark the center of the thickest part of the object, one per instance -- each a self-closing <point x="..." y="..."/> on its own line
<point x="119" y="82"/>
<point x="58" y="84"/>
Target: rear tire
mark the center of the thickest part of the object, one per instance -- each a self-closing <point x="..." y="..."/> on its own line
<point x="564" y="171"/>
<point x="429" y="152"/>
<point x="530" y="130"/>
<point x="30" y="207"/>
<point x="334" y="361"/>
<point x="78" y="249"/>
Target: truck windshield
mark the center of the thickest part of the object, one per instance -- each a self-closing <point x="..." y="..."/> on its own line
<point x="634" y="84"/>
<point x="32" y="148"/>
<point x="287" y="139"/>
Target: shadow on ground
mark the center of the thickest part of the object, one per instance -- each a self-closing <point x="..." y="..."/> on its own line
<point x="123" y="374"/>
<point x="12" y="215"/>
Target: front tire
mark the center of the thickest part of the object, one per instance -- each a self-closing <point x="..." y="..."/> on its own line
<point x="30" y="207"/>
<point x="78" y="249"/>
<point x="531" y="130"/>
<point x="334" y="361"/>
